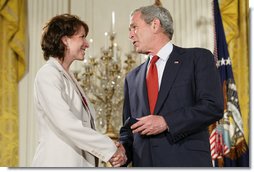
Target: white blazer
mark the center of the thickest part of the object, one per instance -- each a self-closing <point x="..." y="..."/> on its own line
<point x="66" y="138"/>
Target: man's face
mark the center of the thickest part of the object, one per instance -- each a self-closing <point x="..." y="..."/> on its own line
<point x="140" y="33"/>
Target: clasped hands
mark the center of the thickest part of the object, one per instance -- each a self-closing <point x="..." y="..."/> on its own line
<point x="119" y="158"/>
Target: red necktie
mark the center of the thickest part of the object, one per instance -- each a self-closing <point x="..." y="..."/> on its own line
<point x="152" y="84"/>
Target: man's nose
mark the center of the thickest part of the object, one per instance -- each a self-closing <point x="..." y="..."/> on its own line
<point x="130" y="34"/>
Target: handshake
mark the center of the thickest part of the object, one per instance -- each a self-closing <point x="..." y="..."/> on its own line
<point x="119" y="158"/>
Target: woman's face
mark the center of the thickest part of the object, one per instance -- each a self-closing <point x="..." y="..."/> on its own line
<point x="76" y="45"/>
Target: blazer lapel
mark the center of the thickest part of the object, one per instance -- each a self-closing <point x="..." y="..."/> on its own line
<point x="76" y="87"/>
<point x="170" y="72"/>
<point x="91" y="109"/>
<point x="142" y="89"/>
<point x="66" y="75"/>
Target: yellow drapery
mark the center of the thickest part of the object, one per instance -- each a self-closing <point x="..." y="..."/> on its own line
<point x="235" y="17"/>
<point x="12" y="68"/>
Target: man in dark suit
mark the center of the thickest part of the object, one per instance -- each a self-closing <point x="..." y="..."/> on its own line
<point x="174" y="104"/>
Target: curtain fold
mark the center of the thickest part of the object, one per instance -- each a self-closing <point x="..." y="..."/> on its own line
<point x="235" y="17"/>
<point x="12" y="68"/>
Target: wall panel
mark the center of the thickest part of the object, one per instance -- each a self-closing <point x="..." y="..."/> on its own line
<point x="38" y="13"/>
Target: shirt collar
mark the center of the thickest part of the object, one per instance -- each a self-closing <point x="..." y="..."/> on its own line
<point x="165" y="51"/>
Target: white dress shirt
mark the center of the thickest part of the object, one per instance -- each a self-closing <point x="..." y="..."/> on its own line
<point x="163" y="55"/>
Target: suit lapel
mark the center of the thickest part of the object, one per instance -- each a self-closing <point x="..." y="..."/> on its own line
<point x="91" y="109"/>
<point x="80" y="92"/>
<point x="65" y="74"/>
<point x="76" y="87"/>
<point x="142" y="89"/>
<point x="172" y="67"/>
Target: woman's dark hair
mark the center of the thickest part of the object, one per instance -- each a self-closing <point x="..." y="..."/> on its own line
<point x="55" y="29"/>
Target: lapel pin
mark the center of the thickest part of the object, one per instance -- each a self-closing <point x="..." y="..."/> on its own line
<point x="176" y="62"/>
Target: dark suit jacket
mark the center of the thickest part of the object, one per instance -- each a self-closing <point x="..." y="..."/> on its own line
<point x="190" y="99"/>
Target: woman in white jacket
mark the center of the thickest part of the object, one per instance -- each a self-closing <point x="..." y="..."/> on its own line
<point x="67" y="136"/>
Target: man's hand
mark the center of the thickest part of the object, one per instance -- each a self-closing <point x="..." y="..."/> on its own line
<point x="150" y="125"/>
<point x="119" y="158"/>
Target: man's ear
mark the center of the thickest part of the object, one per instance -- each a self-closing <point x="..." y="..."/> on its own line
<point x="156" y="24"/>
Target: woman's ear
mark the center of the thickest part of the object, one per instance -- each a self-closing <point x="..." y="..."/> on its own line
<point x="65" y="40"/>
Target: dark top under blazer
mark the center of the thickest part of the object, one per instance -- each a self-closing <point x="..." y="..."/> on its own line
<point x="190" y="99"/>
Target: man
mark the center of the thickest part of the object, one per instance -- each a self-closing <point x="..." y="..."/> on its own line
<point x="174" y="103"/>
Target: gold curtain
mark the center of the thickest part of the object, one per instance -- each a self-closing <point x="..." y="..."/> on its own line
<point x="235" y="16"/>
<point x="12" y="68"/>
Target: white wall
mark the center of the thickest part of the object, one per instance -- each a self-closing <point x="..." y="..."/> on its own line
<point x="193" y="27"/>
<point x="38" y="13"/>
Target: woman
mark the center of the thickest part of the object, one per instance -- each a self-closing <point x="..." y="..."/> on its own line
<point x="67" y="136"/>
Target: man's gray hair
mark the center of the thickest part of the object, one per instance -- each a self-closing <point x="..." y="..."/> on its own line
<point x="149" y="13"/>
